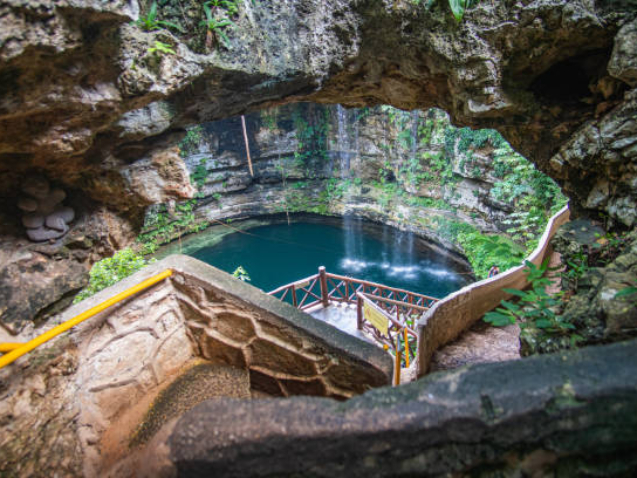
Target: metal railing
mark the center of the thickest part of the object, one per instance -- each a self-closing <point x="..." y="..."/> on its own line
<point x="13" y="351"/>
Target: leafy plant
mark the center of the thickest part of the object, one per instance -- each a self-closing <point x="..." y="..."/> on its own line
<point x="111" y="270"/>
<point x="535" y="307"/>
<point x="161" y="48"/>
<point x="626" y="292"/>
<point x="150" y="21"/>
<point x="241" y="274"/>
<point x="216" y="26"/>
<point x="576" y="269"/>
<point x="458" y="7"/>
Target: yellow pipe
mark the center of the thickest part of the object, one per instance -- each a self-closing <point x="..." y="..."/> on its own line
<point x="55" y="331"/>
<point x="9" y="346"/>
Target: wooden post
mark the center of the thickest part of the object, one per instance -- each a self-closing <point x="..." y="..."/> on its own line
<point x="324" y="292"/>
<point x="406" y="347"/>
<point x="245" y="138"/>
<point x="359" y="312"/>
<point x="398" y="360"/>
<point x="294" y="301"/>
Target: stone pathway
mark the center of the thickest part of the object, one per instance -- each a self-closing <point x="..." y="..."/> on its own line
<point x="482" y="343"/>
<point x="341" y="316"/>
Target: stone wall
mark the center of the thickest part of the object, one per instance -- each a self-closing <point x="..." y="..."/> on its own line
<point x="558" y="415"/>
<point x="117" y="362"/>
<point x="380" y="163"/>
<point x="88" y="104"/>
<point x="453" y="315"/>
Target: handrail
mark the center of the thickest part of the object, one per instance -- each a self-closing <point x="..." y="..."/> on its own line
<point x="15" y="353"/>
<point x="389" y="341"/>
<point x="454" y="314"/>
<point x="380" y="286"/>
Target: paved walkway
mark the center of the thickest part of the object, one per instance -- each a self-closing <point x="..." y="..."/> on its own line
<point x="341" y="316"/>
<point x="482" y="343"/>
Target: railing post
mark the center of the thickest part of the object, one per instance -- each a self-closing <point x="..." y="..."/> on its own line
<point x="397" y="363"/>
<point x="359" y="312"/>
<point x="325" y="299"/>
<point x="294" y="301"/>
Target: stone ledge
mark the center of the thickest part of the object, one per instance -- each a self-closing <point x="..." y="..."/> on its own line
<point x="572" y="412"/>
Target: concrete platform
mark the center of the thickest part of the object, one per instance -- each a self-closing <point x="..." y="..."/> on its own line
<point x="341" y="316"/>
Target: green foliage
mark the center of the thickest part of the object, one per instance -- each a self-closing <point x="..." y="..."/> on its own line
<point x="111" y="270"/>
<point x="241" y="274"/>
<point x="485" y="251"/>
<point x="198" y="176"/>
<point x="150" y="22"/>
<point x="269" y="118"/>
<point x="311" y="136"/>
<point x="482" y="251"/>
<point x="161" y="48"/>
<point x="626" y="292"/>
<point x="535" y="308"/>
<point x="577" y="266"/>
<point x="187" y="145"/>
<point x="218" y="18"/>
<point x="458" y="7"/>
<point x="161" y="227"/>
<point x="429" y="203"/>
<point x="535" y="196"/>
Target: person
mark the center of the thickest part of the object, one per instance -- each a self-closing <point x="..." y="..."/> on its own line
<point x="494" y="271"/>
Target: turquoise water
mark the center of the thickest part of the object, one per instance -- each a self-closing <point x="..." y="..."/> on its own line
<point x="278" y="254"/>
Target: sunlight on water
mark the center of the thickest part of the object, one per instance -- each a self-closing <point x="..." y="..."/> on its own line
<point x="279" y="254"/>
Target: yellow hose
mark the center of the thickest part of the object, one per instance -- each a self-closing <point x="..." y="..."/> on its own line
<point x="17" y="352"/>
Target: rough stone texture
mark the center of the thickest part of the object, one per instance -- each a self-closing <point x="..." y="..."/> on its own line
<point x="38" y="413"/>
<point x="85" y="102"/>
<point x="597" y="166"/>
<point x="81" y="389"/>
<point x="482" y="343"/>
<point x="598" y="316"/>
<point x="362" y="145"/>
<point x="559" y="415"/>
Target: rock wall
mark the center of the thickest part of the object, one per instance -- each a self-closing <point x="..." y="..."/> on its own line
<point x="89" y="102"/>
<point x="413" y="170"/>
<point x="75" y="404"/>
<point x="559" y="415"/>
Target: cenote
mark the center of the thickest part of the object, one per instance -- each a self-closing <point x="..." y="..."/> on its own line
<point x="280" y="253"/>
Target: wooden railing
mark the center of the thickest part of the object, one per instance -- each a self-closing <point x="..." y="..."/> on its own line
<point x="325" y="287"/>
<point x="401" y="308"/>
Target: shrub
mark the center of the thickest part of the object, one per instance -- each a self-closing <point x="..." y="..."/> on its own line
<point x="111" y="270"/>
<point x="535" y="310"/>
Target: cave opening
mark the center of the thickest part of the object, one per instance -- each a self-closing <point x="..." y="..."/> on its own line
<point x="572" y="80"/>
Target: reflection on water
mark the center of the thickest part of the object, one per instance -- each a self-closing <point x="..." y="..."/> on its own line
<point x="278" y="254"/>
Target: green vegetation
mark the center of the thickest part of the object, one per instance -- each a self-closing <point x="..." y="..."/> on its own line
<point x="218" y="18"/>
<point x="482" y="251"/>
<point x="161" y="48"/>
<point x="458" y="7"/>
<point x="194" y="135"/>
<point x="534" y="195"/>
<point x="536" y="311"/>
<point x="150" y="21"/>
<point x="311" y="136"/>
<point x="626" y="292"/>
<point x="241" y="274"/>
<point x="111" y="270"/>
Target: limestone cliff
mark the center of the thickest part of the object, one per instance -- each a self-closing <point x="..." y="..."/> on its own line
<point x="410" y="169"/>
<point x="95" y="103"/>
